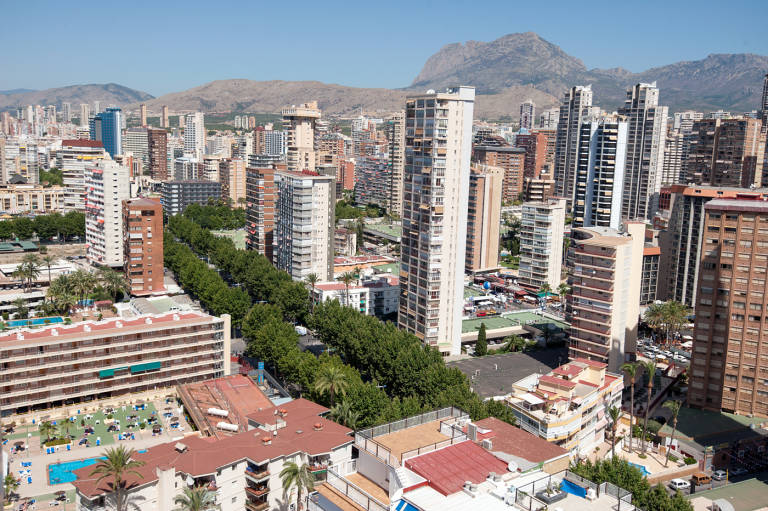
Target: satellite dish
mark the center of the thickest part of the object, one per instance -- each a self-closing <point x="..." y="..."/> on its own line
<point x="512" y="466"/>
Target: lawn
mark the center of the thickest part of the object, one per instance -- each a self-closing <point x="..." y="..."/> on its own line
<point x="100" y="430"/>
<point x="535" y="320"/>
<point x="699" y="424"/>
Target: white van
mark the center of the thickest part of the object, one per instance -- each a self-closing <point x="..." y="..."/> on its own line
<point x="679" y="484"/>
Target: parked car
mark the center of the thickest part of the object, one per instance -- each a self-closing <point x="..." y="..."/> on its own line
<point x="679" y="484"/>
<point x="700" y="478"/>
<point x="719" y="475"/>
<point x="738" y="471"/>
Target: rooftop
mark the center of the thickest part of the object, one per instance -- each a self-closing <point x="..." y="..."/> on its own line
<point x="204" y="456"/>
<point x="410" y="439"/>
<point x="516" y="442"/>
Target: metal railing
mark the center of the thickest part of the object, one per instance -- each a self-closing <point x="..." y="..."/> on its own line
<point x="355" y="493"/>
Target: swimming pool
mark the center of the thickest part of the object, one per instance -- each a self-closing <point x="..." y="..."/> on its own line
<point x="642" y="468"/>
<point x="34" y="321"/>
<point x="59" y="473"/>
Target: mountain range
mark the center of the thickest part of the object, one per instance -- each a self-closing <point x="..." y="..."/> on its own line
<point x="506" y="72"/>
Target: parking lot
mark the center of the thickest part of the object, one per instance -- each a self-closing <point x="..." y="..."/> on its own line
<point x="745" y="493"/>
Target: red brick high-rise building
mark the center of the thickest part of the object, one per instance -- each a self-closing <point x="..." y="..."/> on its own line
<point x="157" y="142"/>
<point x="539" y="148"/>
<point x="511" y="159"/>
<point x="143" y="246"/>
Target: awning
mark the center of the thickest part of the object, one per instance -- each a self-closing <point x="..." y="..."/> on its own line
<point x="106" y="373"/>
<point x="149" y="366"/>
<point x="531" y="399"/>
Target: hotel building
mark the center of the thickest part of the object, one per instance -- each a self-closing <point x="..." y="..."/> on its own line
<point x="68" y="364"/>
<point x="107" y="185"/>
<point x="438" y="145"/>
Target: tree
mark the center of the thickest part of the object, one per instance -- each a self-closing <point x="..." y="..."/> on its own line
<point x="631" y="369"/>
<point x="20" y="308"/>
<point x="331" y="379"/>
<point x="10" y="485"/>
<point x="515" y="343"/>
<point x="650" y="369"/>
<point x="312" y="279"/>
<point x="198" y="498"/>
<point x="347" y="278"/>
<point x="614" y="413"/>
<point x="563" y="289"/>
<point x="82" y="283"/>
<point x="119" y="463"/>
<point x="545" y="289"/>
<point x="48" y="260"/>
<point x="48" y="430"/>
<point x="298" y="476"/>
<point x="481" y="347"/>
<point x="674" y="407"/>
<point x="113" y="282"/>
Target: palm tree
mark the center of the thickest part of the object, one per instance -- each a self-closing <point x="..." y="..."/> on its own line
<point x="347" y="278"/>
<point x="20" y="306"/>
<point x="312" y="279"/>
<point x="545" y="289"/>
<point x="198" y="498"/>
<point x="298" y="476"/>
<point x="655" y="316"/>
<point x="10" y="485"/>
<point x="48" y="430"/>
<point x="631" y="369"/>
<point x="82" y="283"/>
<point x="650" y="369"/>
<point x="113" y="282"/>
<point x="48" y="261"/>
<point x="64" y="429"/>
<point x="614" y="413"/>
<point x="118" y="463"/>
<point x="31" y="263"/>
<point x="674" y="407"/>
<point x="676" y="315"/>
<point x="563" y="289"/>
<point x="333" y="380"/>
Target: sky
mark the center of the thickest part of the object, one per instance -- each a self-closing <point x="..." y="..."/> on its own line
<point x="166" y="46"/>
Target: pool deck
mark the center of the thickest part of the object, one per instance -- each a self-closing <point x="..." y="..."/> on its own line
<point x="40" y="461"/>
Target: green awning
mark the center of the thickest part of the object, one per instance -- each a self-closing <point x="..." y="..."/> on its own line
<point x="107" y="373"/>
<point x="149" y="366"/>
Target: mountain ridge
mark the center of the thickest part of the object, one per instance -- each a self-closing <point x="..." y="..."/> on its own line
<point x="106" y="93"/>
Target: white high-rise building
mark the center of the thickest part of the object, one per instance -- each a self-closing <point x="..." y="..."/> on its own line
<point x="275" y="142"/>
<point x="576" y="105"/>
<point x="107" y="185"/>
<point x="600" y="172"/>
<point x="304" y="224"/>
<point x="73" y="157"/>
<point x="194" y="135"/>
<point x="647" y="122"/>
<point x="85" y="114"/>
<point x="299" y="123"/>
<point x="541" y="243"/>
<point x="672" y="168"/>
<point x="684" y="120"/>
<point x="136" y="142"/>
<point x="66" y="112"/>
<point x="549" y="118"/>
<point x="96" y="107"/>
<point x="527" y="114"/>
<point x="438" y="146"/>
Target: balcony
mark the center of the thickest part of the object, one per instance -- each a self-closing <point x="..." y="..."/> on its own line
<point x="257" y="491"/>
<point x="253" y="506"/>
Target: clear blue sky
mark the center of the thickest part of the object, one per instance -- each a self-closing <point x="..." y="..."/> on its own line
<point x="162" y="46"/>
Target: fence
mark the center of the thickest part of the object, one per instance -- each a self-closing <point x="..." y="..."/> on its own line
<point x="622" y="496"/>
<point x="358" y="495"/>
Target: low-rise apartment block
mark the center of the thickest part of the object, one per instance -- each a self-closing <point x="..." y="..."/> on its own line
<point x="31" y="199"/>
<point x="68" y="364"/>
<point x="569" y="405"/>
<point x="376" y="295"/>
<point x="177" y="195"/>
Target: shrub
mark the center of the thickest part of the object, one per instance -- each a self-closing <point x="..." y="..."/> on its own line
<point x="689" y="461"/>
<point x="672" y="458"/>
<point x="110" y="416"/>
<point x="143" y="425"/>
<point x="642" y="456"/>
<point x="58" y="441"/>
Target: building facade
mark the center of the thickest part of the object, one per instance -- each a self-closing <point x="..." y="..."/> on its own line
<point x="107" y="128"/>
<point x="72" y="159"/>
<point x="157" y="154"/>
<point x="730" y="355"/>
<point x="107" y="185"/>
<point x="577" y="103"/>
<point x="143" y="246"/>
<point x="89" y="360"/>
<point x="260" y="209"/>
<point x="438" y="145"/>
<point x="304" y="224"/>
<point x="603" y="304"/>
<point x="177" y="195"/>
<point x="299" y="125"/>
<point x="541" y="243"/>
<point x="35" y="199"/>
<point x="527" y="114"/>
<point x="396" y="141"/>
<point x="483" y="218"/>
<point x="232" y="178"/>
<point x="194" y="135"/>
<point x="511" y="159"/>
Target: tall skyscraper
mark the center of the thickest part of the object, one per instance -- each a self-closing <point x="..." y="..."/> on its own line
<point x="143" y="114"/>
<point x="164" y="117"/>
<point x="511" y="159"/>
<point x="483" y="218"/>
<point x="541" y="243"/>
<point x="97" y="107"/>
<point x="157" y="150"/>
<point x="438" y="145"/>
<point x="726" y="152"/>
<point x="304" y="223"/>
<point x="672" y="167"/>
<point x="600" y="171"/>
<point x="232" y="179"/>
<point x="576" y="104"/>
<point x="730" y="361"/>
<point x="85" y="114"/>
<point x="73" y="158"/>
<point x="107" y="185"/>
<point x="136" y="142"/>
<point x="260" y="208"/>
<point x="647" y="122"/>
<point x="299" y="123"/>
<point x="396" y="141"/>
<point x="604" y="302"/>
<point x="106" y="127"/>
<point x="143" y="246"/>
<point x="764" y="104"/>
<point x="194" y="135"/>
<point x="66" y="112"/>
<point x="527" y="114"/>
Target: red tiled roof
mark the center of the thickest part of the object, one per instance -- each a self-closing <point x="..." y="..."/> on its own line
<point x="446" y="469"/>
<point x="513" y="440"/>
<point x="553" y="380"/>
<point x="591" y="363"/>
<point x="205" y="455"/>
<point x="589" y="383"/>
<point x="81" y="143"/>
<point x="568" y="370"/>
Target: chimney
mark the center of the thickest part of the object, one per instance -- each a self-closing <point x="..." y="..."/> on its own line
<point x="265" y="440"/>
<point x="318" y="426"/>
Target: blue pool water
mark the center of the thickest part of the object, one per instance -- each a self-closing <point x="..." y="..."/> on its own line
<point x="64" y="472"/>
<point x="641" y="468"/>
<point x="573" y="489"/>
<point x="34" y="321"/>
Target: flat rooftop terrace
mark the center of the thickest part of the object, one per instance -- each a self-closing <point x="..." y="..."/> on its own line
<point x="413" y="438"/>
